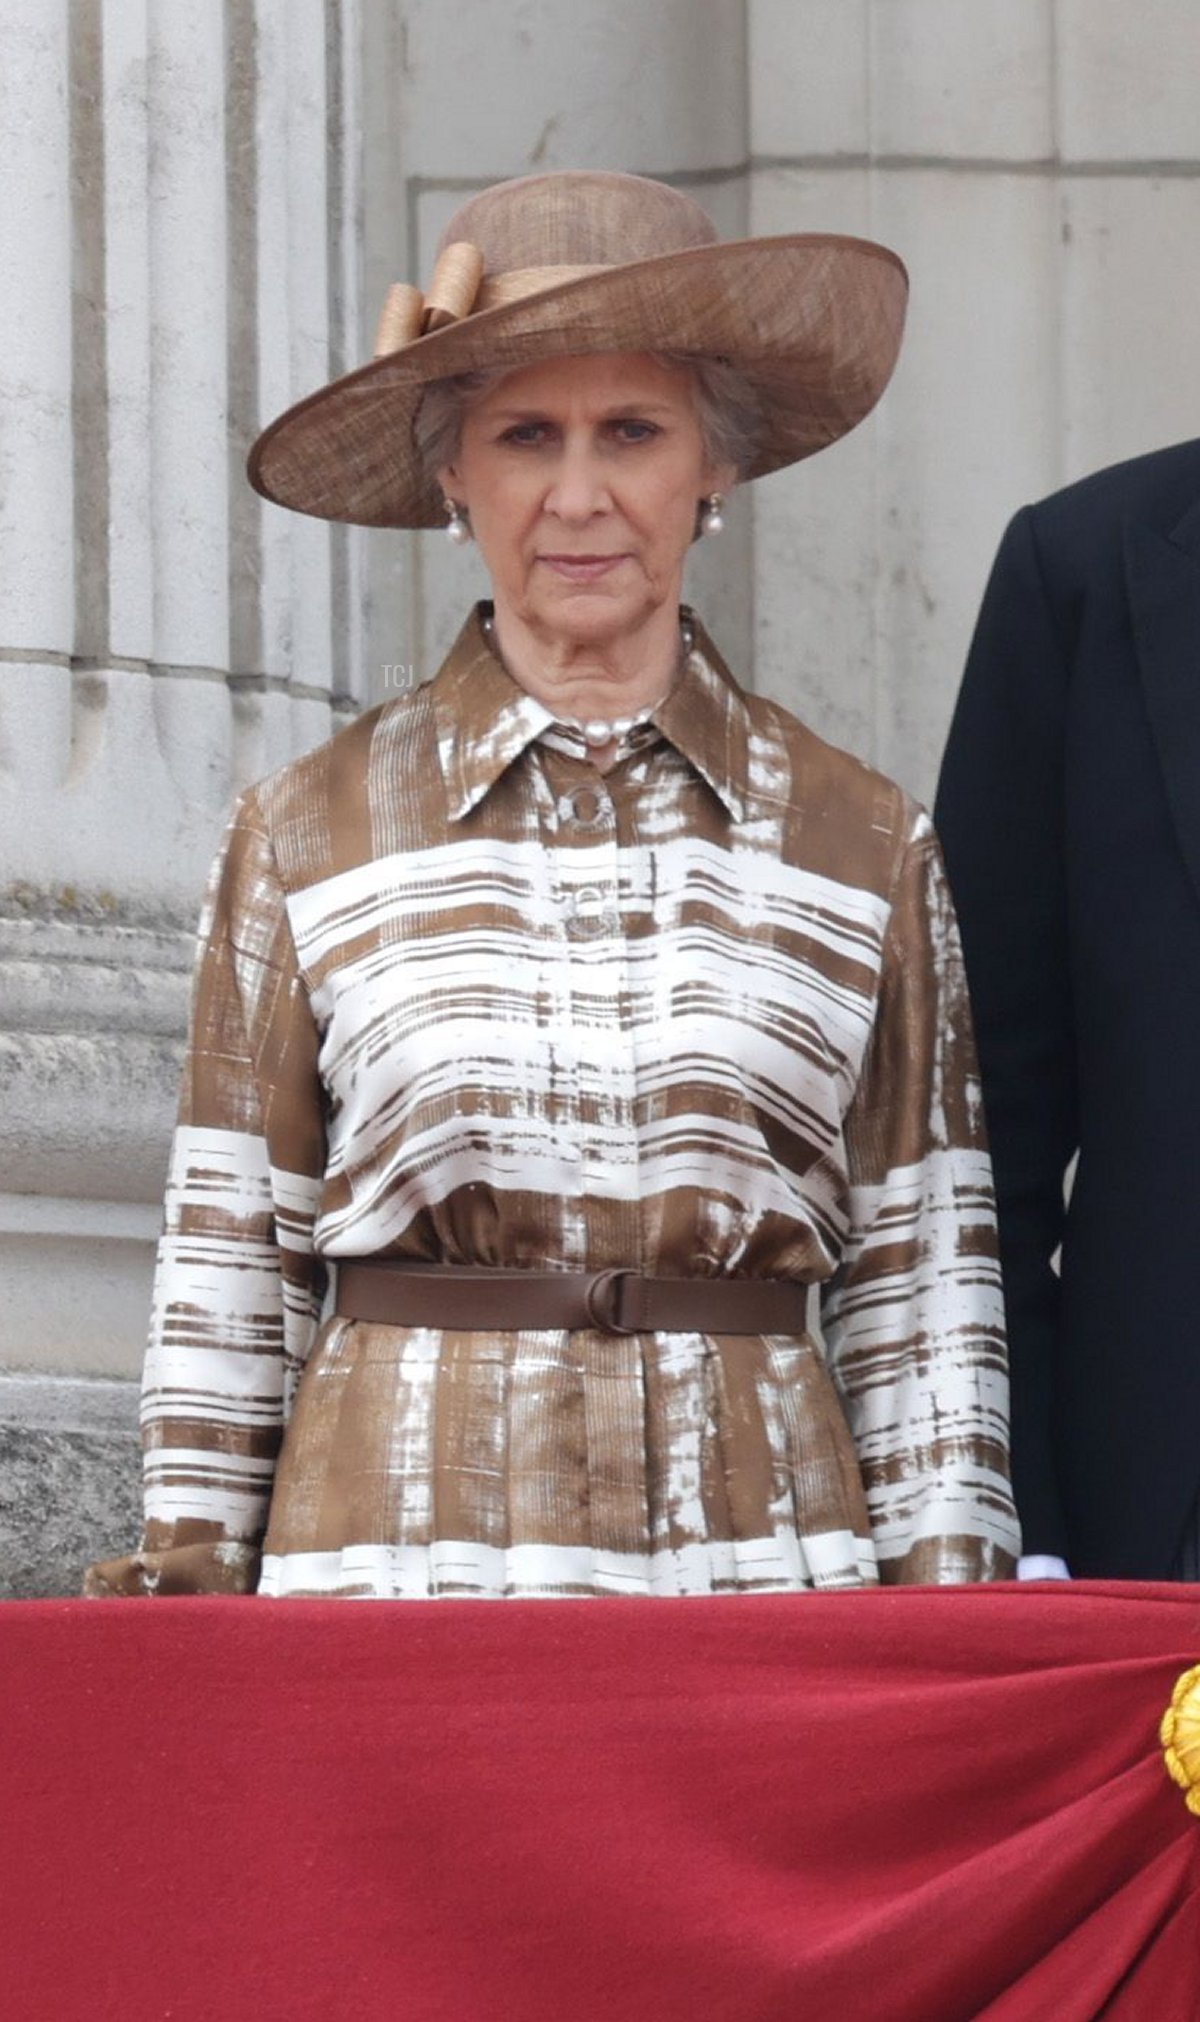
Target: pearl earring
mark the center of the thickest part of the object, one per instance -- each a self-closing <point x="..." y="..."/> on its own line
<point x="458" y="527"/>
<point x="712" y="519"/>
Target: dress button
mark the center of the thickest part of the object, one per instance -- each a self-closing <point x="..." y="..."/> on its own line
<point x="590" y="914"/>
<point x="586" y="807"/>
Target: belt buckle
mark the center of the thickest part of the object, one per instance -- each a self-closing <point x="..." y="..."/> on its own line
<point x="602" y="1300"/>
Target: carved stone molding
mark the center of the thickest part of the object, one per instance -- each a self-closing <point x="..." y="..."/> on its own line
<point x="92" y="1018"/>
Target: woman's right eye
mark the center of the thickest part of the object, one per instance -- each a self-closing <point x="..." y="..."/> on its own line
<point x="525" y="434"/>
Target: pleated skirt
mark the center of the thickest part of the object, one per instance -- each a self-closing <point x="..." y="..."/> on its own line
<point x="419" y="1462"/>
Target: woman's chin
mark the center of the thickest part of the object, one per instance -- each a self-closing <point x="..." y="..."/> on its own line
<point x="591" y="618"/>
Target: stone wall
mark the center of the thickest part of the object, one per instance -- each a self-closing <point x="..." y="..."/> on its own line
<point x="1037" y="165"/>
<point x="204" y="206"/>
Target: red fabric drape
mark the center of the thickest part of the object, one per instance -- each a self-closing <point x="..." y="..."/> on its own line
<point x="914" y="1806"/>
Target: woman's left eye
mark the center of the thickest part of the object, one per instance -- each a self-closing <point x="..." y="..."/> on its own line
<point x="632" y="430"/>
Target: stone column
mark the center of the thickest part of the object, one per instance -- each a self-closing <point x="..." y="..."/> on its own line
<point x="37" y="591"/>
<point x="179" y="230"/>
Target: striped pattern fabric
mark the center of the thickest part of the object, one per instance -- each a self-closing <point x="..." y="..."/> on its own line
<point x="462" y="998"/>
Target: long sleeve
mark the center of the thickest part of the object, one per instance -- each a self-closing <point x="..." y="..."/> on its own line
<point x="913" y="1317"/>
<point x="1000" y="815"/>
<point x="238" y="1288"/>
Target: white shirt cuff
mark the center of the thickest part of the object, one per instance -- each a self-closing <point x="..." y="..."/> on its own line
<point x="1042" y="1566"/>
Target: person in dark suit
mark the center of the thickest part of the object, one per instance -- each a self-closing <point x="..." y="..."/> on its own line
<point x="1069" y="812"/>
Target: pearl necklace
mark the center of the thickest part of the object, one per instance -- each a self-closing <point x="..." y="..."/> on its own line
<point x="597" y="731"/>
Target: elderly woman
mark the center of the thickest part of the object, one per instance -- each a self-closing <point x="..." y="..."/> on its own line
<point x="585" y="1012"/>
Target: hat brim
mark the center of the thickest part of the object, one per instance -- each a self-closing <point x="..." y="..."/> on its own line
<point x="813" y="320"/>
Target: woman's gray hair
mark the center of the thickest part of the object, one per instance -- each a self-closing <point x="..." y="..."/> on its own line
<point x="727" y="407"/>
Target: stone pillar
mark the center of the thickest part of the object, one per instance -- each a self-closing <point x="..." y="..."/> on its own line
<point x="186" y="218"/>
<point x="179" y="231"/>
<point x="37" y="591"/>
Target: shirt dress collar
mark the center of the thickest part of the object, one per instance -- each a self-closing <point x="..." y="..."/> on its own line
<point x="485" y="721"/>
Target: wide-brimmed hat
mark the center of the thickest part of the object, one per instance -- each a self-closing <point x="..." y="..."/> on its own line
<point x="581" y="262"/>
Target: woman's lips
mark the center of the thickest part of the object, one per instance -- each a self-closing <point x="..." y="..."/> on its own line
<point x="582" y="568"/>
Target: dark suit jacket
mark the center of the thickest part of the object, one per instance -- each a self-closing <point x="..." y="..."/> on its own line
<point x="1069" y="809"/>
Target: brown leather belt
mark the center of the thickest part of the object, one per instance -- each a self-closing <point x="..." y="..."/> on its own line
<point x="467" y="1296"/>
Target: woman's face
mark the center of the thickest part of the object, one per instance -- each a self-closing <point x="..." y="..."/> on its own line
<point x="582" y="478"/>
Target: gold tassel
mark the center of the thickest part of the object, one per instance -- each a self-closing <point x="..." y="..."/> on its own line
<point x="1180" y="1737"/>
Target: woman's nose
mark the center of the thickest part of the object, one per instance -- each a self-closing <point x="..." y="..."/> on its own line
<point x="579" y="487"/>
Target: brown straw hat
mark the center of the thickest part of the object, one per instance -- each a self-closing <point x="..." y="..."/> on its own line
<point x="581" y="262"/>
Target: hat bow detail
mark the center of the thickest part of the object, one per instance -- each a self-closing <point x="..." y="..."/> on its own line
<point x="457" y="289"/>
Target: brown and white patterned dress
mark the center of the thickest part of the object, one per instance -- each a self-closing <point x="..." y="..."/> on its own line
<point x="462" y="998"/>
